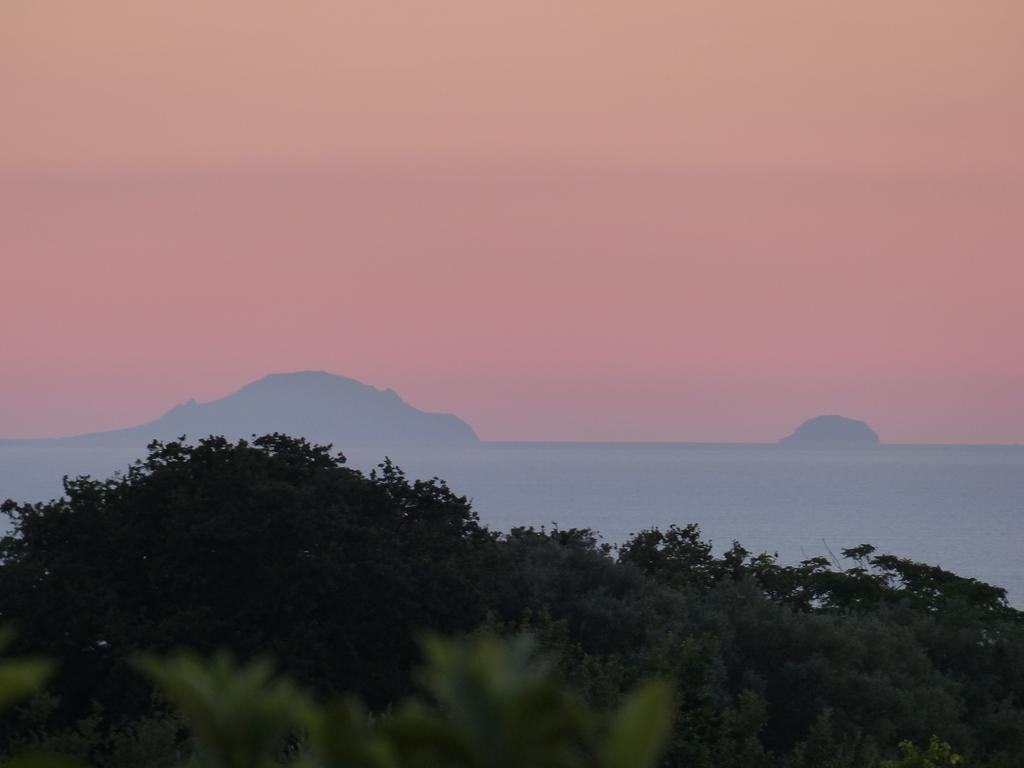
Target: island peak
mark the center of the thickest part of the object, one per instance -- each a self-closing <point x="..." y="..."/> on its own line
<point x="832" y="430"/>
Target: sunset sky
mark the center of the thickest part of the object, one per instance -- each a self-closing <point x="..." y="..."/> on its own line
<point x="579" y="220"/>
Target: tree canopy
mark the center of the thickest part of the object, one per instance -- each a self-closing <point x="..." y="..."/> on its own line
<point x="275" y="548"/>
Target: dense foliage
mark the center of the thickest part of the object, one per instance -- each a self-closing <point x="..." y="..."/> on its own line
<point x="276" y="548"/>
<point x="493" y="704"/>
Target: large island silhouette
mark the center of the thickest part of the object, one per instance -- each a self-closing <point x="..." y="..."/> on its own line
<point x="365" y="422"/>
<point x="320" y="406"/>
<point x="831" y="430"/>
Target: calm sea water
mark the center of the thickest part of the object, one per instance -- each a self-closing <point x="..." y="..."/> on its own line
<point x="961" y="507"/>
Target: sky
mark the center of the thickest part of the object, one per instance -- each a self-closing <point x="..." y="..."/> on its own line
<point x="574" y="220"/>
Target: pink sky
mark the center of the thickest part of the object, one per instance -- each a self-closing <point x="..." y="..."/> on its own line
<point x="584" y="220"/>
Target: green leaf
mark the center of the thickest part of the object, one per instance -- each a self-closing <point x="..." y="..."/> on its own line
<point x="20" y="679"/>
<point x="240" y="714"/>
<point x="40" y="760"/>
<point x="640" y="729"/>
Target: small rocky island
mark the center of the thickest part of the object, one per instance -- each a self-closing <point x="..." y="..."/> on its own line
<point x="831" y="431"/>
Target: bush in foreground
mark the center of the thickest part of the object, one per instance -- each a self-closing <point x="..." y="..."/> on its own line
<point x="491" y="704"/>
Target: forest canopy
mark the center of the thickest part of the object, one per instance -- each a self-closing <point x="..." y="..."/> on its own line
<point x="275" y="548"/>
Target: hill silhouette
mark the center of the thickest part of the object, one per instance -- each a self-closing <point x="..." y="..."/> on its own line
<point x="320" y="406"/>
<point x="832" y="431"/>
<point x="365" y="422"/>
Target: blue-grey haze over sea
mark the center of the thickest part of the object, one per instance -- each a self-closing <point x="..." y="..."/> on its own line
<point x="961" y="507"/>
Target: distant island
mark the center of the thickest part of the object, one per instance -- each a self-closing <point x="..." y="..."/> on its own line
<point x="319" y="406"/>
<point x="364" y="422"/>
<point x="826" y="431"/>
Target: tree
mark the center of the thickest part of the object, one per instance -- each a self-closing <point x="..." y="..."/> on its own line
<point x="269" y="547"/>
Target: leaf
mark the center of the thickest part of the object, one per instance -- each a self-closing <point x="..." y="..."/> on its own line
<point x="40" y="760"/>
<point x="640" y="730"/>
<point x="240" y="714"/>
<point x="20" y="679"/>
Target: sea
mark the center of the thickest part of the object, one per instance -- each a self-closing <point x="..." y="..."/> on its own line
<point x="959" y="507"/>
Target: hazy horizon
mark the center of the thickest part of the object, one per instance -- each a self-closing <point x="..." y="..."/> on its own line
<point x="671" y="221"/>
<point x="297" y="409"/>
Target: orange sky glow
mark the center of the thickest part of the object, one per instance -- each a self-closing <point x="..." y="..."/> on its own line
<point x="580" y="220"/>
